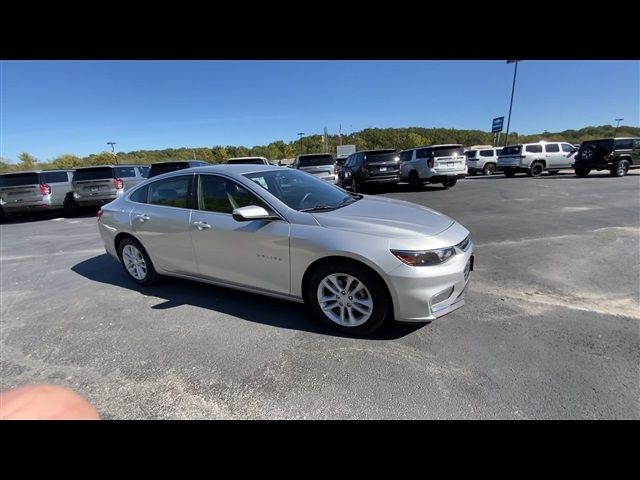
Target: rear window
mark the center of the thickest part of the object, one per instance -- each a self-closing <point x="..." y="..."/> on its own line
<point x="160" y="168"/>
<point x="471" y="153"/>
<point x="447" y="151"/>
<point x="19" y="179"/>
<point x="98" y="173"/>
<point x="511" y="150"/>
<point x="315" y="160"/>
<point x="380" y="157"/>
<point x="248" y="161"/>
<point x="55" y="177"/>
<point x="125" y="172"/>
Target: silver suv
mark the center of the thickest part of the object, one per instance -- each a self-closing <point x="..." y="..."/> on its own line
<point x="320" y="165"/>
<point x="482" y="160"/>
<point x="535" y="158"/>
<point x="95" y="186"/>
<point x="443" y="164"/>
<point x="38" y="190"/>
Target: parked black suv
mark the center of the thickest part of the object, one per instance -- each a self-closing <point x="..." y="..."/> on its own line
<point x="370" y="167"/>
<point x="166" y="167"/>
<point x="616" y="155"/>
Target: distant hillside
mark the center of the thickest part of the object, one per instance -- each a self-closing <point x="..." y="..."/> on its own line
<point x="369" y="138"/>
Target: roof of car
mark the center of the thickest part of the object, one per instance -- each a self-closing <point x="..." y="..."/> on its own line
<point x="245" y="158"/>
<point x="40" y="171"/>
<point x="434" y="146"/>
<point x="113" y="166"/>
<point x="611" y="138"/>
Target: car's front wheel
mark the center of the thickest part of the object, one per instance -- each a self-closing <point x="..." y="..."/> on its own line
<point x="347" y="297"/>
<point x="620" y="169"/>
<point x="449" y="182"/>
<point x="536" y="169"/>
<point x="489" y="169"/>
<point x="414" y="180"/>
<point x="136" y="261"/>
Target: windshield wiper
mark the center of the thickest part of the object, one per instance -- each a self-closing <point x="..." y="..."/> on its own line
<point x="318" y="208"/>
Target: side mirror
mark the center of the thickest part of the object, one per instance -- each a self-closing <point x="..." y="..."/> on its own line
<point x="251" y="212"/>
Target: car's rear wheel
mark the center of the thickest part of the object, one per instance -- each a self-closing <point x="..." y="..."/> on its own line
<point x="489" y="169"/>
<point x="509" y="172"/>
<point x="347" y="297"/>
<point x="472" y="173"/>
<point x="582" y="172"/>
<point x="136" y="262"/>
<point x="620" y="169"/>
<point x="71" y="207"/>
<point x="414" y="180"/>
<point x="536" y="169"/>
<point x="449" y="182"/>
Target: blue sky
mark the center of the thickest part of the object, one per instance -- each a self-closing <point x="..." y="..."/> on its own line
<point x="53" y="107"/>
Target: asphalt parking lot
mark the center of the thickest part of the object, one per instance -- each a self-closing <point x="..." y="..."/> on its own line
<point x="551" y="328"/>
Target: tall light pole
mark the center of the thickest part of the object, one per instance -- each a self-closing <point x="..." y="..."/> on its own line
<point x="300" y="141"/>
<point x="617" y="125"/>
<point x="513" y="87"/>
<point x="113" y="150"/>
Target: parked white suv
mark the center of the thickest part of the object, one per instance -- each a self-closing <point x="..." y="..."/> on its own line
<point x="535" y="158"/>
<point x="482" y="160"/>
<point x="433" y="164"/>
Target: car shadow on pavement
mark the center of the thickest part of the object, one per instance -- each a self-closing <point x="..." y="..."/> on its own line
<point x="544" y="176"/>
<point x="244" y="305"/>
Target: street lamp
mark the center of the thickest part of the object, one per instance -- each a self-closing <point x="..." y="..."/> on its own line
<point x="300" y="141"/>
<point x="617" y="125"/>
<point x="513" y="87"/>
<point x="113" y="150"/>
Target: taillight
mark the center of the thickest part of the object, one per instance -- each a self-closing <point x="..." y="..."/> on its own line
<point x="99" y="215"/>
<point x="45" y="189"/>
<point x="118" y="183"/>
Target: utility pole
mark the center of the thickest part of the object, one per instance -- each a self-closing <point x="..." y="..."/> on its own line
<point x="113" y="150"/>
<point x="513" y="87"/>
<point x="617" y="125"/>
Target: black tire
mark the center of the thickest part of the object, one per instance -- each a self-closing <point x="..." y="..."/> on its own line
<point x="472" y="173"/>
<point x="414" y="180"/>
<point x="582" y="171"/>
<point x="3" y="215"/>
<point x="509" y="172"/>
<point x="536" y="169"/>
<point x="374" y="285"/>
<point x="71" y="207"/>
<point x="489" y="169"/>
<point x="151" y="276"/>
<point x="449" y="183"/>
<point x="554" y="172"/>
<point x="620" y="169"/>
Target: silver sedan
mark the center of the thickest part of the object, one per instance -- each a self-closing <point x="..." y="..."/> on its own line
<point x="355" y="260"/>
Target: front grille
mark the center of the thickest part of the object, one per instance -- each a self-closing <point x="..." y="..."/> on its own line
<point x="467" y="270"/>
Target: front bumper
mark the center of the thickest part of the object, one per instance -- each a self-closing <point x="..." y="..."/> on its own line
<point x="414" y="288"/>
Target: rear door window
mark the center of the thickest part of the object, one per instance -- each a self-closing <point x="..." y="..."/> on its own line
<point x="486" y="153"/>
<point x="125" y="172"/>
<point x="171" y="192"/>
<point x="534" y="148"/>
<point x="140" y="195"/>
<point x="552" y="148"/>
<point x="55" y="177"/>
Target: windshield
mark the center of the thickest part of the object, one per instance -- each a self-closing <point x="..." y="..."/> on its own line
<point x="302" y="191"/>
<point x="315" y="160"/>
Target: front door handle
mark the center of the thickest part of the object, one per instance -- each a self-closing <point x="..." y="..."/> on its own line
<point x="202" y="225"/>
<point x="143" y="217"/>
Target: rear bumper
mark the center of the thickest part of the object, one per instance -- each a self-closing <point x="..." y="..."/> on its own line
<point x="593" y="165"/>
<point x="30" y="206"/>
<point x="381" y="180"/>
<point x="87" y="200"/>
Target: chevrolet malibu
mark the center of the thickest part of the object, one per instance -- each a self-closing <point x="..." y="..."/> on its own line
<point x="355" y="260"/>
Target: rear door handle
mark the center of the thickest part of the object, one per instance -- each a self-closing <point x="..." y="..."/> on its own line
<point x="143" y="217"/>
<point x="202" y="225"/>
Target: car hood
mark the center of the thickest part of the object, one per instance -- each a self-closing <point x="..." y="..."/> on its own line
<point x="385" y="217"/>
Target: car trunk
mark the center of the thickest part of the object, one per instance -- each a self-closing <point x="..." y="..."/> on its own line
<point x="452" y="158"/>
<point x="321" y="166"/>
<point x="94" y="181"/>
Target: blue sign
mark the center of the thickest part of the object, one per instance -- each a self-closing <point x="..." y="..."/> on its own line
<point x="497" y="124"/>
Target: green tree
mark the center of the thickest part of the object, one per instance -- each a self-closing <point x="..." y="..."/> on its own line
<point x="27" y="162"/>
<point x="67" y="161"/>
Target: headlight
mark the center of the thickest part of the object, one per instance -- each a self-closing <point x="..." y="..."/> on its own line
<point x="424" y="258"/>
